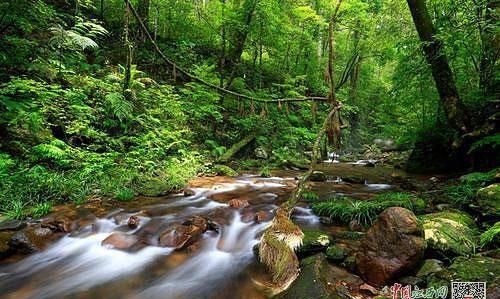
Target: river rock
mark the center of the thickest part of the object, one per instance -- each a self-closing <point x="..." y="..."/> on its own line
<point x="224" y="170"/>
<point x="391" y="246"/>
<point x="450" y="232"/>
<point x="488" y="200"/>
<point x="353" y="179"/>
<point x="263" y="216"/>
<point x="429" y="267"/>
<point x="183" y="235"/>
<point x="133" y="222"/>
<point x="12" y="224"/>
<point x="319" y="279"/>
<point x="30" y="239"/>
<point x="4" y="243"/>
<point x="120" y="241"/>
<point x="317" y="176"/>
<point x="313" y="242"/>
<point x="238" y="203"/>
<point x="189" y="192"/>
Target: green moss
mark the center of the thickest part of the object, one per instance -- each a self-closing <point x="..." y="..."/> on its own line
<point x="488" y="198"/>
<point x="366" y="211"/>
<point x="480" y="178"/>
<point x="314" y="241"/>
<point x="491" y="237"/>
<point x="453" y="232"/>
<point x="224" y="170"/>
<point x="335" y="253"/>
<point x="476" y="268"/>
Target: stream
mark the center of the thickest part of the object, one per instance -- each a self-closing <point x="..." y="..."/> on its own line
<point x="220" y="263"/>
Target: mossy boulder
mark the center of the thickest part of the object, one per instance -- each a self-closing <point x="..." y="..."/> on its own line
<point x="319" y="280"/>
<point x="475" y="268"/>
<point x="429" y="267"/>
<point x="223" y="170"/>
<point x="313" y="242"/>
<point x="450" y="232"/>
<point x="335" y="253"/>
<point x="488" y="200"/>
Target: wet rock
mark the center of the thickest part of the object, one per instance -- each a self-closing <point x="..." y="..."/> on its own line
<point x="450" y="232"/>
<point x="133" y="222"/>
<point x="429" y="267"/>
<point x="335" y="253"/>
<point x="353" y="179"/>
<point x="4" y="243"/>
<point x="260" y="153"/>
<point x="189" y="192"/>
<point x="317" y="176"/>
<point x="391" y="246"/>
<point x="488" y="200"/>
<point x="30" y="239"/>
<point x="12" y="225"/>
<point x="368" y="288"/>
<point x="313" y="242"/>
<point x="238" y="203"/>
<point x="411" y="280"/>
<point x="183" y="235"/>
<point x="263" y="216"/>
<point x="319" y="279"/>
<point x="120" y="241"/>
<point x="355" y="226"/>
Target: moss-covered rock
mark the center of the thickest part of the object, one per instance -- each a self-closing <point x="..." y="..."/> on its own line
<point x="429" y="267"/>
<point x="224" y="170"/>
<point x="319" y="280"/>
<point x="317" y="176"/>
<point x="450" y="232"/>
<point x="488" y="199"/>
<point x="313" y="241"/>
<point x="475" y="268"/>
<point x="335" y="253"/>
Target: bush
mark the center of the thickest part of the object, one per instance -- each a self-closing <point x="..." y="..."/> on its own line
<point x="365" y="212"/>
<point x="125" y="194"/>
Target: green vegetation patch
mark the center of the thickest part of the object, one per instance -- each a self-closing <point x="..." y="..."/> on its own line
<point x="366" y="211"/>
<point x="491" y="237"/>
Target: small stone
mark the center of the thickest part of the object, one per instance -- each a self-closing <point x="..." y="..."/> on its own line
<point x="238" y="203"/>
<point x="189" y="192"/>
<point x="133" y="221"/>
<point x="120" y="241"/>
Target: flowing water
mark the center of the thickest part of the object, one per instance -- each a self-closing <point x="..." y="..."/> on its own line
<point x="221" y="264"/>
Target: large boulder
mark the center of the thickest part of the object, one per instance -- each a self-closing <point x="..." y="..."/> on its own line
<point x="320" y="280"/>
<point x="488" y="200"/>
<point x="393" y="245"/>
<point x="450" y="232"/>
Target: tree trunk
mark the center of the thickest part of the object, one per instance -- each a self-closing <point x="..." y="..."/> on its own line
<point x="240" y="36"/>
<point x="490" y="51"/>
<point x="128" y="46"/>
<point x="445" y="83"/>
<point x="143" y="11"/>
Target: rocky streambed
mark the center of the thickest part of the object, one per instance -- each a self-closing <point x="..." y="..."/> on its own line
<point x="201" y="243"/>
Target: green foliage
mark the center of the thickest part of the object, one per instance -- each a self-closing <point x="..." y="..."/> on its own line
<point x="265" y="172"/>
<point x="125" y="194"/>
<point x="461" y="194"/>
<point x="366" y="211"/>
<point x="41" y="209"/>
<point x="15" y="210"/>
<point x="308" y="195"/>
<point x="491" y="237"/>
<point x="492" y="142"/>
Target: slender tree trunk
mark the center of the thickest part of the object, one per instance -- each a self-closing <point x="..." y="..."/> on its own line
<point x="143" y="11"/>
<point x="490" y="52"/>
<point x="445" y="83"/>
<point x="222" y="58"/>
<point x="128" y="46"/>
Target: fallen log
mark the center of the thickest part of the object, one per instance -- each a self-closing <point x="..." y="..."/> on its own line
<point x="226" y="157"/>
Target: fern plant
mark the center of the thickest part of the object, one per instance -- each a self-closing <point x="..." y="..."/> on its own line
<point x="491" y="236"/>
